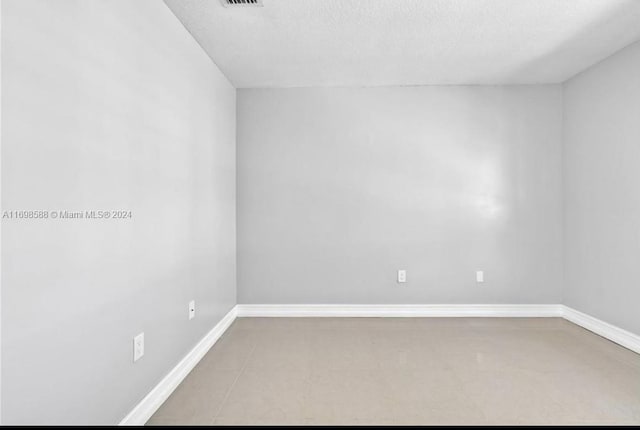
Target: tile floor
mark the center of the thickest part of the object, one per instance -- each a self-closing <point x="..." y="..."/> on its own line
<point x="408" y="371"/>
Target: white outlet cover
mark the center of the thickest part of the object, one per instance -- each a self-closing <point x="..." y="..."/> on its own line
<point x="138" y="347"/>
<point x="402" y="276"/>
<point x="479" y="276"/>
<point x="192" y="309"/>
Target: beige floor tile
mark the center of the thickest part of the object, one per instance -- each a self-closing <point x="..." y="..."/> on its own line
<point x="347" y="397"/>
<point x="431" y="397"/>
<point x="498" y="353"/>
<point x="512" y="397"/>
<point x="228" y="354"/>
<point x="197" y="400"/>
<point x="593" y="351"/>
<point x="538" y="323"/>
<point x="409" y="371"/>
<point x="343" y="350"/>
<point x="274" y="396"/>
<point x="596" y="396"/>
<point x="407" y="351"/>
<point x="281" y="352"/>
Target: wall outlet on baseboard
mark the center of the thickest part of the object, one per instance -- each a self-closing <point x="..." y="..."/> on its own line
<point x="192" y="309"/>
<point x="138" y="347"/>
<point x="402" y="276"/>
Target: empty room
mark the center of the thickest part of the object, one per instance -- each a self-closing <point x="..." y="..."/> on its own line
<point x="320" y="212"/>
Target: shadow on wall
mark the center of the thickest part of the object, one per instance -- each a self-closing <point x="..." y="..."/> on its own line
<point x="582" y="47"/>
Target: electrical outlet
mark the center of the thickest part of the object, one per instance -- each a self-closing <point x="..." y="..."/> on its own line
<point x="192" y="309"/>
<point x="138" y="347"/>
<point x="402" y="276"/>
<point x="479" y="276"/>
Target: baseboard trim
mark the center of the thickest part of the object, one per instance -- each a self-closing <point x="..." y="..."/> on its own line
<point x="399" y="310"/>
<point x="156" y="397"/>
<point x="609" y="331"/>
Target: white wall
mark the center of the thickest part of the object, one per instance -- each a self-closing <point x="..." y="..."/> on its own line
<point x="109" y="105"/>
<point x="339" y="188"/>
<point x="602" y="198"/>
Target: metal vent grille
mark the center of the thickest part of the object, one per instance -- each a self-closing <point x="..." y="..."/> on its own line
<point x="242" y="3"/>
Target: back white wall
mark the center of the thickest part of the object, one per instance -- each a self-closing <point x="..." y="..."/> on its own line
<point x="339" y="188"/>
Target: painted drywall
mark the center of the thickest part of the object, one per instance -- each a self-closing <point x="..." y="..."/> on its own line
<point x="602" y="202"/>
<point x="109" y="105"/>
<point x="339" y="188"/>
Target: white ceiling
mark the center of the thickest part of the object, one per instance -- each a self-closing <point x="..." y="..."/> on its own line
<point x="293" y="43"/>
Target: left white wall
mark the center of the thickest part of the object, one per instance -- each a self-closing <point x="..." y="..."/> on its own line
<point x="109" y="105"/>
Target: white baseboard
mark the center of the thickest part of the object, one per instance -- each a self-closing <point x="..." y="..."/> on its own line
<point x="399" y="310"/>
<point x="152" y="401"/>
<point x="615" y="334"/>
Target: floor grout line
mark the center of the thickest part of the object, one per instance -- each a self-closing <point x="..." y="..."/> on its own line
<point x="233" y="384"/>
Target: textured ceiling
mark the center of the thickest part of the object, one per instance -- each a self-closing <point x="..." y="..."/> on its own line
<point x="293" y="43"/>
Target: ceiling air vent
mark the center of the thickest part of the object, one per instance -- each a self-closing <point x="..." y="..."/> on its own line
<point x="242" y="3"/>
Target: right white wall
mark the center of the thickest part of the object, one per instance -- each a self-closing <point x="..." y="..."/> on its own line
<point x="602" y="190"/>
